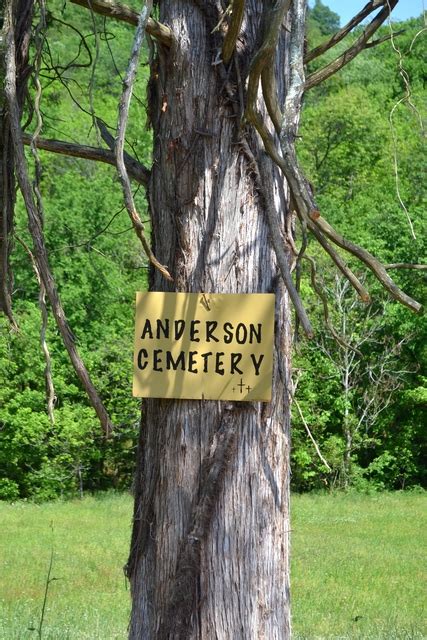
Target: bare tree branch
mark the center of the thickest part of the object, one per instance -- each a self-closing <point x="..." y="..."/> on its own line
<point x="326" y="72"/>
<point x="374" y="265"/>
<point x="237" y="9"/>
<point x="342" y="266"/>
<point x="50" y="389"/>
<point x="40" y="252"/>
<point x="389" y="36"/>
<point x="406" y="265"/>
<point x="273" y="18"/>
<point x="282" y="258"/>
<point x="310" y="435"/>
<point x="137" y="171"/>
<point x="122" y="12"/>
<point x="120" y="139"/>
<point x="341" y="34"/>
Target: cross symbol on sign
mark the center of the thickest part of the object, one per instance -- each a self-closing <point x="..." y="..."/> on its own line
<point x="241" y="385"/>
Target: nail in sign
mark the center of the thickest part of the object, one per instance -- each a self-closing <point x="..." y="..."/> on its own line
<point x="207" y="346"/>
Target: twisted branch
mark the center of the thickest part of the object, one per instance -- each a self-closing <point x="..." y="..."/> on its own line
<point x="237" y="11"/>
<point x="34" y="225"/>
<point x="326" y="72"/>
<point x="341" y="34"/>
<point x="135" y="169"/>
<point x="287" y="161"/>
<point x="120" y="140"/>
<point x="122" y="12"/>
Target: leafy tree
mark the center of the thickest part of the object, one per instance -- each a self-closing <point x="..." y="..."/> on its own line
<point x="326" y="21"/>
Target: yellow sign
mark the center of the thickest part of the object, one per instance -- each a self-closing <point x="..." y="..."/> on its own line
<point x="204" y="346"/>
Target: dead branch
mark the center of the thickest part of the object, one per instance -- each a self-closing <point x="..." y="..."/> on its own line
<point x="282" y="258"/>
<point x="288" y="127"/>
<point x="136" y="170"/>
<point x="50" y="389"/>
<point x="287" y="162"/>
<point x="120" y="140"/>
<point x="34" y="225"/>
<point x="326" y="72"/>
<point x="303" y="197"/>
<point x="341" y="34"/>
<point x="406" y="265"/>
<point x="122" y="12"/>
<point x="273" y="18"/>
<point x="342" y="265"/>
<point x="371" y="262"/>
<point x="38" y="41"/>
<point x="237" y="11"/>
<point x="378" y="41"/>
<point x="310" y="435"/>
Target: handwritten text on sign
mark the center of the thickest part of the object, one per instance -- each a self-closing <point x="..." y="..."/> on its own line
<point x="204" y="346"/>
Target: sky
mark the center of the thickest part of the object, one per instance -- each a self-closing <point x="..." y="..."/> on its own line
<point x="347" y="8"/>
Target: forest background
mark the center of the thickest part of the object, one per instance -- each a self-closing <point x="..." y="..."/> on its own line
<point x="360" y="385"/>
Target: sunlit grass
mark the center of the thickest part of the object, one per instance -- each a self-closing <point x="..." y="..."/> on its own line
<point x="88" y="598"/>
<point x="358" y="568"/>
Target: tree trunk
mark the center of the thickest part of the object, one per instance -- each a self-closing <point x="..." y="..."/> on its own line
<point x="210" y="546"/>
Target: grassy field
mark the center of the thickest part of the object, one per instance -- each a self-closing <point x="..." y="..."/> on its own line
<point x="359" y="566"/>
<point x="357" y="569"/>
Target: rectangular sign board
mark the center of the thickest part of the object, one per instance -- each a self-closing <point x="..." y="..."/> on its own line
<point x="204" y="346"/>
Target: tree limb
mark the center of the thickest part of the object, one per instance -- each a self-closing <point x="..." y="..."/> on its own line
<point x="137" y="171"/>
<point x="50" y="389"/>
<point x="120" y="139"/>
<point x="273" y="18"/>
<point x="303" y="197"/>
<point x="326" y="72"/>
<point x="342" y="265"/>
<point x="406" y="265"/>
<point x="282" y="258"/>
<point x="341" y="34"/>
<point x="310" y="435"/>
<point x="34" y="225"/>
<point x="389" y="36"/>
<point x="371" y="262"/>
<point x="122" y="12"/>
<point x="230" y="39"/>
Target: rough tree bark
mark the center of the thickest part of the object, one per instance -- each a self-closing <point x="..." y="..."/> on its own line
<point x="209" y="555"/>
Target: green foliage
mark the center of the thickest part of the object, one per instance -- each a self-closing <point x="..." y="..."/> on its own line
<point x="356" y="128"/>
<point x="322" y="18"/>
<point x="98" y="265"/>
<point x="359" y="130"/>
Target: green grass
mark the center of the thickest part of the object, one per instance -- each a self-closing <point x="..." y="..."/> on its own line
<point x="357" y="569"/>
<point x="90" y="539"/>
<point x="359" y="566"/>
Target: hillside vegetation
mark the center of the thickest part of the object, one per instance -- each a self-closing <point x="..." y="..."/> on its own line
<point x="362" y="398"/>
